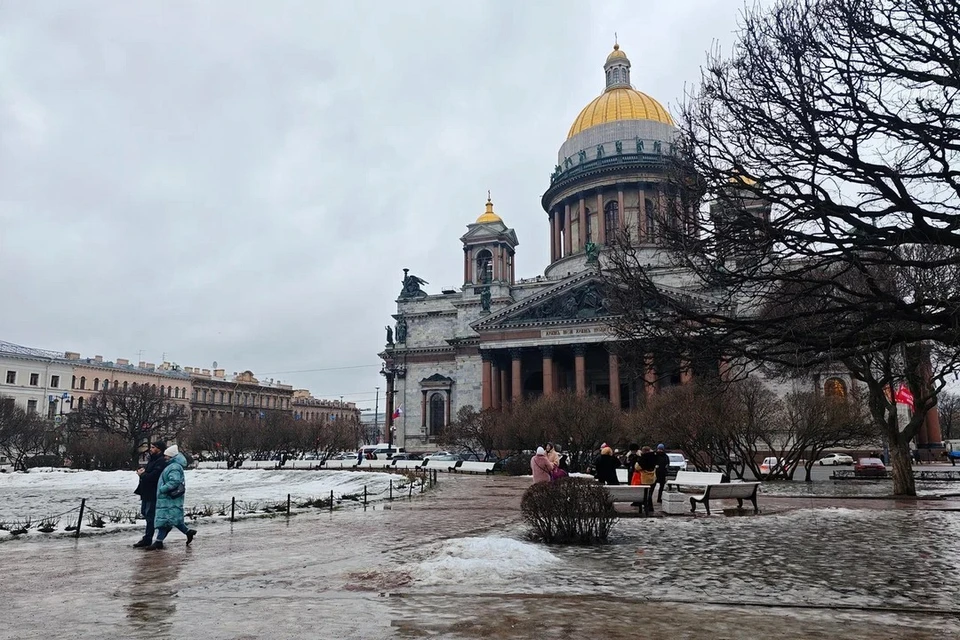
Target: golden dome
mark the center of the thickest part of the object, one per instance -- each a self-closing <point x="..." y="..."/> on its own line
<point x="616" y="53"/>
<point x="488" y="215"/>
<point x="619" y="103"/>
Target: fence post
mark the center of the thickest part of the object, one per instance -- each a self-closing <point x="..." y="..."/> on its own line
<point x="331" y="500"/>
<point x="364" y="495"/>
<point x="83" y="503"/>
<point x="391" y="489"/>
<point x="410" y="488"/>
<point x="233" y="508"/>
<point x="288" y="505"/>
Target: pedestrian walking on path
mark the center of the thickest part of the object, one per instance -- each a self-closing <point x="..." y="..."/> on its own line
<point x="170" y="492"/>
<point x="147" y="489"/>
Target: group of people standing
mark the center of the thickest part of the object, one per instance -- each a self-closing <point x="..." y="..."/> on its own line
<point x="547" y="464"/>
<point x="644" y="467"/>
<point x="161" y="489"/>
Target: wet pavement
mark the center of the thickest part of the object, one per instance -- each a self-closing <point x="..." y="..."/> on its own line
<point x="806" y="568"/>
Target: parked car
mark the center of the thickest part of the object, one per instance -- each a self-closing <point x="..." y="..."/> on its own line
<point x="443" y="456"/>
<point x="833" y="459"/>
<point x="870" y="467"/>
<point x="769" y="464"/>
<point x="677" y="463"/>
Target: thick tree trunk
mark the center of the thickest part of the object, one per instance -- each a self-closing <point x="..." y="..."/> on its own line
<point x="903" y="484"/>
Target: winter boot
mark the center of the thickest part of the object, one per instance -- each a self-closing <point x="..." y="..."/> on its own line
<point x="142" y="544"/>
<point x="156" y="546"/>
<point x="190" y="534"/>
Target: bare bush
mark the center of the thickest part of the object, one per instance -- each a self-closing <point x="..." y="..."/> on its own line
<point x="569" y="511"/>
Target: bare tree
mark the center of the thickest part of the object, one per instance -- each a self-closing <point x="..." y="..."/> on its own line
<point x="949" y="409"/>
<point x="478" y="432"/>
<point x="826" y="145"/>
<point x="138" y="414"/>
<point x="22" y="434"/>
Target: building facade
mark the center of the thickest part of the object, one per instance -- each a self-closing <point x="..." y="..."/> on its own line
<point x="306" y="407"/>
<point x="498" y="338"/>
<point x="36" y="380"/>
<point x="90" y="376"/>
<point x="215" y="396"/>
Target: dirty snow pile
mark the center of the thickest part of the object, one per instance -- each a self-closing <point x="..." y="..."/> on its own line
<point x="490" y="559"/>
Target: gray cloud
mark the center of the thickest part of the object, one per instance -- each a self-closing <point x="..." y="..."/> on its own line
<point x="244" y="181"/>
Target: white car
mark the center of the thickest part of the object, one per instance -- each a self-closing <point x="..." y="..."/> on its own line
<point x="677" y="462"/>
<point x="833" y="459"/>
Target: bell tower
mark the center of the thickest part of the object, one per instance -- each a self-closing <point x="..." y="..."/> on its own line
<point x="488" y="254"/>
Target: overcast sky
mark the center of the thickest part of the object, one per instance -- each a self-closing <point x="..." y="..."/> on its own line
<point x="243" y="182"/>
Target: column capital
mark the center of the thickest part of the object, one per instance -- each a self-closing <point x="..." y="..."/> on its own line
<point x="580" y="349"/>
<point x="486" y="355"/>
<point x="547" y="351"/>
<point x="516" y="353"/>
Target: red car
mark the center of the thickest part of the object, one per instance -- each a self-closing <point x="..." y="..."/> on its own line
<point x="870" y="467"/>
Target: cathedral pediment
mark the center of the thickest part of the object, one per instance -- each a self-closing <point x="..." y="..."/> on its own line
<point x="580" y="298"/>
<point x="489" y="232"/>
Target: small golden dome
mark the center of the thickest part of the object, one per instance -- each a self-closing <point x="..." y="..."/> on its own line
<point x="488" y="215"/>
<point x="619" y="103"/>
<point x="616" y="53"/>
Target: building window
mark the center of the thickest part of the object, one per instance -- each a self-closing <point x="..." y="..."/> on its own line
<point x="34" y="379"/>
<point x="31" y="406"/>
<point x="125" y="387"/>
<point x="83" y="382"/>
<point x="651" y="218"/>
<point x="222" y="396"/>
<point x="51" y="410"/>
<point x="484" y="274"/>
<point x="616" y="75"/>
<point x="55" y="382"/>
<point x="611" y="219"/>
<point x="96" y="384"/>
<point x="438" y="413"/>
<point x="80" y="403"/>
<point x="73" y="382"/>
<point x="11" y="377"/>
<point x="834" y="388"/>
<point x="588" y="227"/>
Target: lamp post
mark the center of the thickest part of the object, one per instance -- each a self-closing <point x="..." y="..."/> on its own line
<point x="376" y="414"/>
<point x="391" y="371"/>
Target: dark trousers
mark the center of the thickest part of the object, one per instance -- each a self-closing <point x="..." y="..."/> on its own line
<point x="662" y="482"/>
<point x="149" y="510"/>
<point x="163" y="531"/>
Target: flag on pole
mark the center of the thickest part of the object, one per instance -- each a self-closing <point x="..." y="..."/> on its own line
<point x="904" y="396"/>
<point x="398" y="412"/>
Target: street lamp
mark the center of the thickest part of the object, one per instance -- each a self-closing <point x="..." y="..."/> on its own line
<point x="391" y="372"/>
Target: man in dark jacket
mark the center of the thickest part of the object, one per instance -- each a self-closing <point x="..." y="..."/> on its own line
<point x="147" y="489"/>
<point x="663" y="465"/>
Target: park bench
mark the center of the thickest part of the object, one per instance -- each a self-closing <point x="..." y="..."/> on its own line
<point x="472" y="466"/>
<point x="339" y="464"/>
<point x="375" y="464"/>
<point x="634" y="494"/>
<point x="739" y="491"/>
<point x="441" y="465"/>
<point x="694" y="479"/>
<point x="408" y="464"/>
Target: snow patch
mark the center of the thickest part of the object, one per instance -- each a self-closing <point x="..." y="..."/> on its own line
<point x="485" y="560"/>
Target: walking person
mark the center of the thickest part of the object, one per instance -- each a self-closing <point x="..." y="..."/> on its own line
<point x="147" y="489"/>
<point x="663" y="465"/>
<point x="541" y="466"/>
<point x="170" y="492"/>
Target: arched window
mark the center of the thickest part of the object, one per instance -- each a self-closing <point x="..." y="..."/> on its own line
<point x="438" y="413"/>
<point x="484" y="273"/>
<point x="834" y="388"/>
<point x="153" y="388"/>
<point x="83" y="382"/>
<point x="611" y="219"/>
<point x="96" y="384"/>
<point x="73" y="382"/>
<point x="125" y="387"/>
<point x="651" y="219"/>
<point x="183" y="393"/>
<point x="80" y="403"/>
<point x="616" y="75"/>
<point x="222" y="396"/>
<point x="588" y="228"/>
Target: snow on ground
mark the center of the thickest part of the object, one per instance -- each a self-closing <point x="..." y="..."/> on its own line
<point x="43" y="492"/>
<point x="495" y="559"/>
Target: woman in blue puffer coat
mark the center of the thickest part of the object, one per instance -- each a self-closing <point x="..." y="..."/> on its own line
<point x="170" y="505"/>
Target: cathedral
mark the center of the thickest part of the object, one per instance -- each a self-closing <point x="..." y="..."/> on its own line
<point x="500" y="338"/>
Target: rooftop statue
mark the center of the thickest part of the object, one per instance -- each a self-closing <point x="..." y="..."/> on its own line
<point x="411" y="286"/>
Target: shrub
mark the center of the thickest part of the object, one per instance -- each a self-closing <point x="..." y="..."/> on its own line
<point x="569" y="511"/>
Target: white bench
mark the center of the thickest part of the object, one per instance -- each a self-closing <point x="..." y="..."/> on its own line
<point x="622" y="475"/>
<point x="471" y="466"/>
<point x="694" y="479"/>
<point x="441" y="465"/>
<point x="375" y="464"/>
<point x="637" y="493"/>
<point x="407" y="464"/>
<point x="339" y="464"/>
<point x="739" y="491"/>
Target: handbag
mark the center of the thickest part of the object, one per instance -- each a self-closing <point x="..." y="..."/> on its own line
<point x="556" y="473"/>
<point x="648" y="477"/>
<point x="177" y="490"/>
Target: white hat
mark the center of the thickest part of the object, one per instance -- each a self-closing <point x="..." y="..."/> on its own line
<point x="541" y="451"/>
<point x="171" y="451"/>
